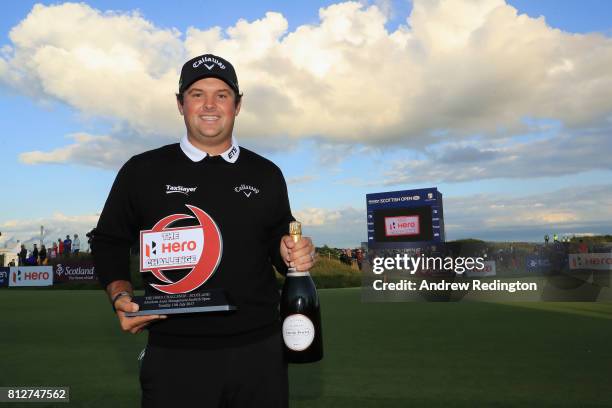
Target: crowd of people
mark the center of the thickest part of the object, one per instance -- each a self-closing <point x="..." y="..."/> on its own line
<point x="352" y="256"/>
<point x="43" y="255"/>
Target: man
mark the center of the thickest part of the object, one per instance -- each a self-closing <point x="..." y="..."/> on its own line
<point x="230" y="359"/>
<point x="76" y="244"/>
<point x="35" y="255"/>
<point x="23" y="254"/>
<point x="583" y="248"/>
<point x="42" y="255"/>
<point x="67" y="245"/>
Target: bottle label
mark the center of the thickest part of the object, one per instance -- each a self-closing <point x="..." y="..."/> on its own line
<point x="292" y="274"/>
<point x="298" y="332"/>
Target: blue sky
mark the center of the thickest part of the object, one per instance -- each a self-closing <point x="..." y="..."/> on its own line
<point x="522" y="139"/>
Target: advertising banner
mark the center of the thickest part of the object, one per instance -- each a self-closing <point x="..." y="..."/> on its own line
<point x="397" y="226"/>
<point x="599" y="262"/>
<point x="4" y="277"/>
<point x="488" y="270"/>
<point x="31" y="276"/>
<point x="74" y="271"/>
<point x="535" y="264"/>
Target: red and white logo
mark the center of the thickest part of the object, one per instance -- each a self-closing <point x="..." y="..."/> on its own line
<point x="488" y="270"/>
<point x="403" y="225"/>
<point x="31" y="276"/>
<point x="197" y="247"/>
<point x="596" y="261"/>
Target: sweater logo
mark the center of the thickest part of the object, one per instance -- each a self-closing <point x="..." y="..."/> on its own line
<point x="198" y="247"/>
<point x="179" y="189"/>
<point x="246" y="190"/>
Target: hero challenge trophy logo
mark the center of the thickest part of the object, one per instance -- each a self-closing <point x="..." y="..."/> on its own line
<point x="197" y="247"/>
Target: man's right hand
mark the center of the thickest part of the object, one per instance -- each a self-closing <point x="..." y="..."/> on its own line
<point x="134" y="324"/>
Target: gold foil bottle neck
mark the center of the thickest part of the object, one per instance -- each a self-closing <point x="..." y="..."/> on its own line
<point x="295" y="230"/>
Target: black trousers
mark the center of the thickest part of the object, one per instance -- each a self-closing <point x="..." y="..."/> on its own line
<point x="254" y="375"/>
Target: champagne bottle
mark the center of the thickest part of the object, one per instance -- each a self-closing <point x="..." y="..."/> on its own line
<point x="301" y="313"/>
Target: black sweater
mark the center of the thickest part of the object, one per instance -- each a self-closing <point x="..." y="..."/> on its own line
<point x="248" y="202"/>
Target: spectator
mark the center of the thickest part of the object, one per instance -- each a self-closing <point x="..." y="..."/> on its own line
<point x="513" y="256"/>
<point x="42" y="255"/>
<point x="23" y="254"/>
<point x="359" y="258"/>
<point x="30" y="260"/>
<point x="60" y="247"/>
<point x="35" y="254"/>
<point x="344" y="258"/>
<point x="90" y="237"/>
<point x="76" y="244"/>
<point x="583" y="248"/>
<point x="67" y="245"/>
<point x="53" y="252"/>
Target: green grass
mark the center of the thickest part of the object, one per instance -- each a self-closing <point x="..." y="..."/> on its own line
<point x="376" y="354"/>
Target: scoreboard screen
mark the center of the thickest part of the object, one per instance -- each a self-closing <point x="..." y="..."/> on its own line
<point x="405" y="217"/>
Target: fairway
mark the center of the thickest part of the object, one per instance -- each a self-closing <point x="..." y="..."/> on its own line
<point x="376" y="355"/>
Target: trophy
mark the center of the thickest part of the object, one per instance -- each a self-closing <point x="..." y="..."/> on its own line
<point x="196" y="248"/>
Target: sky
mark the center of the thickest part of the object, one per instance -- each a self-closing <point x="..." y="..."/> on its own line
<point x="505" y="107"/>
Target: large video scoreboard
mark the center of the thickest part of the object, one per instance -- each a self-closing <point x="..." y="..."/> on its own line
<point x="405" y="216"/>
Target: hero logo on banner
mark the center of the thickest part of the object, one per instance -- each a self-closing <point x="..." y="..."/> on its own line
<point x="488" y="270"/>
<point x="600" y="262"/>
<point x="401" y="226"/>
<point x="197" y="247"/>
<point x="31" y="276"/>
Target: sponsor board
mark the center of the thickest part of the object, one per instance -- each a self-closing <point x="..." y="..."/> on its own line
<point x="4" y="277"/>
<point x="488" y="270"/>
<point x="74" y="271"/>
<point x="535" y="264"/>
<point x="599" y="262"/>
<point x="31" y="276"/>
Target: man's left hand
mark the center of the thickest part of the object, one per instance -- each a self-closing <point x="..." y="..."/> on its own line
<point x="300" y="255"/>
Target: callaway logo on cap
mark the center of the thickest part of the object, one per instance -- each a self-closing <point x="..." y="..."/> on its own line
<point x="208" y="66"/>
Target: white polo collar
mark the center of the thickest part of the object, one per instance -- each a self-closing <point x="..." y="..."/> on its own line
<point x="196" y="155"/>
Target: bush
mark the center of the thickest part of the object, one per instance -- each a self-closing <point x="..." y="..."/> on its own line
<point x="327" y="273"/>
<point x="331" y="273"/>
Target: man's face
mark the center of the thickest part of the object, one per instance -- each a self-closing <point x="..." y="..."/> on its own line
<point x="209" y="112"/>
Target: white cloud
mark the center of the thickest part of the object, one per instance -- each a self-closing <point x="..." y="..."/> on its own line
<point x="344" y="227"/>
<point x="118" y="66"/>
<point x="550" y="156"/>
<point x="457" y="68"/>
<point x="100" y="151"/>
<point x="569" y="210"/>
<point x="27" y="231"/>
<point x="301" y="179"/>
